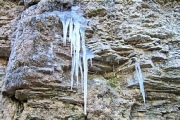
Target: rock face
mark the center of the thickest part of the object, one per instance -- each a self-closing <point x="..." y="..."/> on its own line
<point x="35" y="66"/>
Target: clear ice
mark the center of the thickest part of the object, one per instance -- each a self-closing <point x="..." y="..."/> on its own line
<point x="140" y="79"/>
<point x="77" y="25"/>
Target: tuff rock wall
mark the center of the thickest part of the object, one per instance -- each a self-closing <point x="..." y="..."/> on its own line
<point x="35" y="66"/>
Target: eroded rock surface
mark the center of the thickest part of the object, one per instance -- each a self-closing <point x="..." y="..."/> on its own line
<point x="35" y="76"/>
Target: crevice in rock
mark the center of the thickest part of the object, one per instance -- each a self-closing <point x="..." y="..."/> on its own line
<point x="14" y="104"/>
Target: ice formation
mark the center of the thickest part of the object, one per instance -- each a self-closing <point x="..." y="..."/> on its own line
<point x="76" y="24"/>
<point x="140" y="79"/>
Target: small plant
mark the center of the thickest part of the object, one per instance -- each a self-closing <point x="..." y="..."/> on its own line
<point x="113" y="82"/>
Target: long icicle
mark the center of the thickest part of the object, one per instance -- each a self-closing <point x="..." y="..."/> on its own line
<point x="82" y="30"/>
<point x="71" y="34"/>
<point x="77" y="46"/>
<point x="77" y="25"/>
<point x="72" y="72"/>
<point x="140" y="79"/>
<point x="65" y="29"/>
<point x="82" y="77"/>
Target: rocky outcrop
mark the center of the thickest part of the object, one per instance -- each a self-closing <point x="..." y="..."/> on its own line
<point x="36" y="81"/>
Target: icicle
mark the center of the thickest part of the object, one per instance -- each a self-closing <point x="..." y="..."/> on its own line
<point x="77" y="47"/>
<point x="89" y="55"/>
<point x="71" y="34"/>
<point x="91" y="61"/>
<point x="86" y="55"/>
<point x="81" y="71"/>
<point x="140" y="79"/>
<point x="82" y="30"/>
<point x="85" y="81"/>
<point x="65" y="21"/>
<point x="72" y="72"/>
<point x="77" y="24"/>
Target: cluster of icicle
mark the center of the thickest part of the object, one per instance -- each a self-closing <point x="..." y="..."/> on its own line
<point x="75" y="24"/>
<point x="140" y="79"/>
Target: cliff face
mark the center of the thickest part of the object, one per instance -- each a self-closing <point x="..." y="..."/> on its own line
<point x="35" y="66"/>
